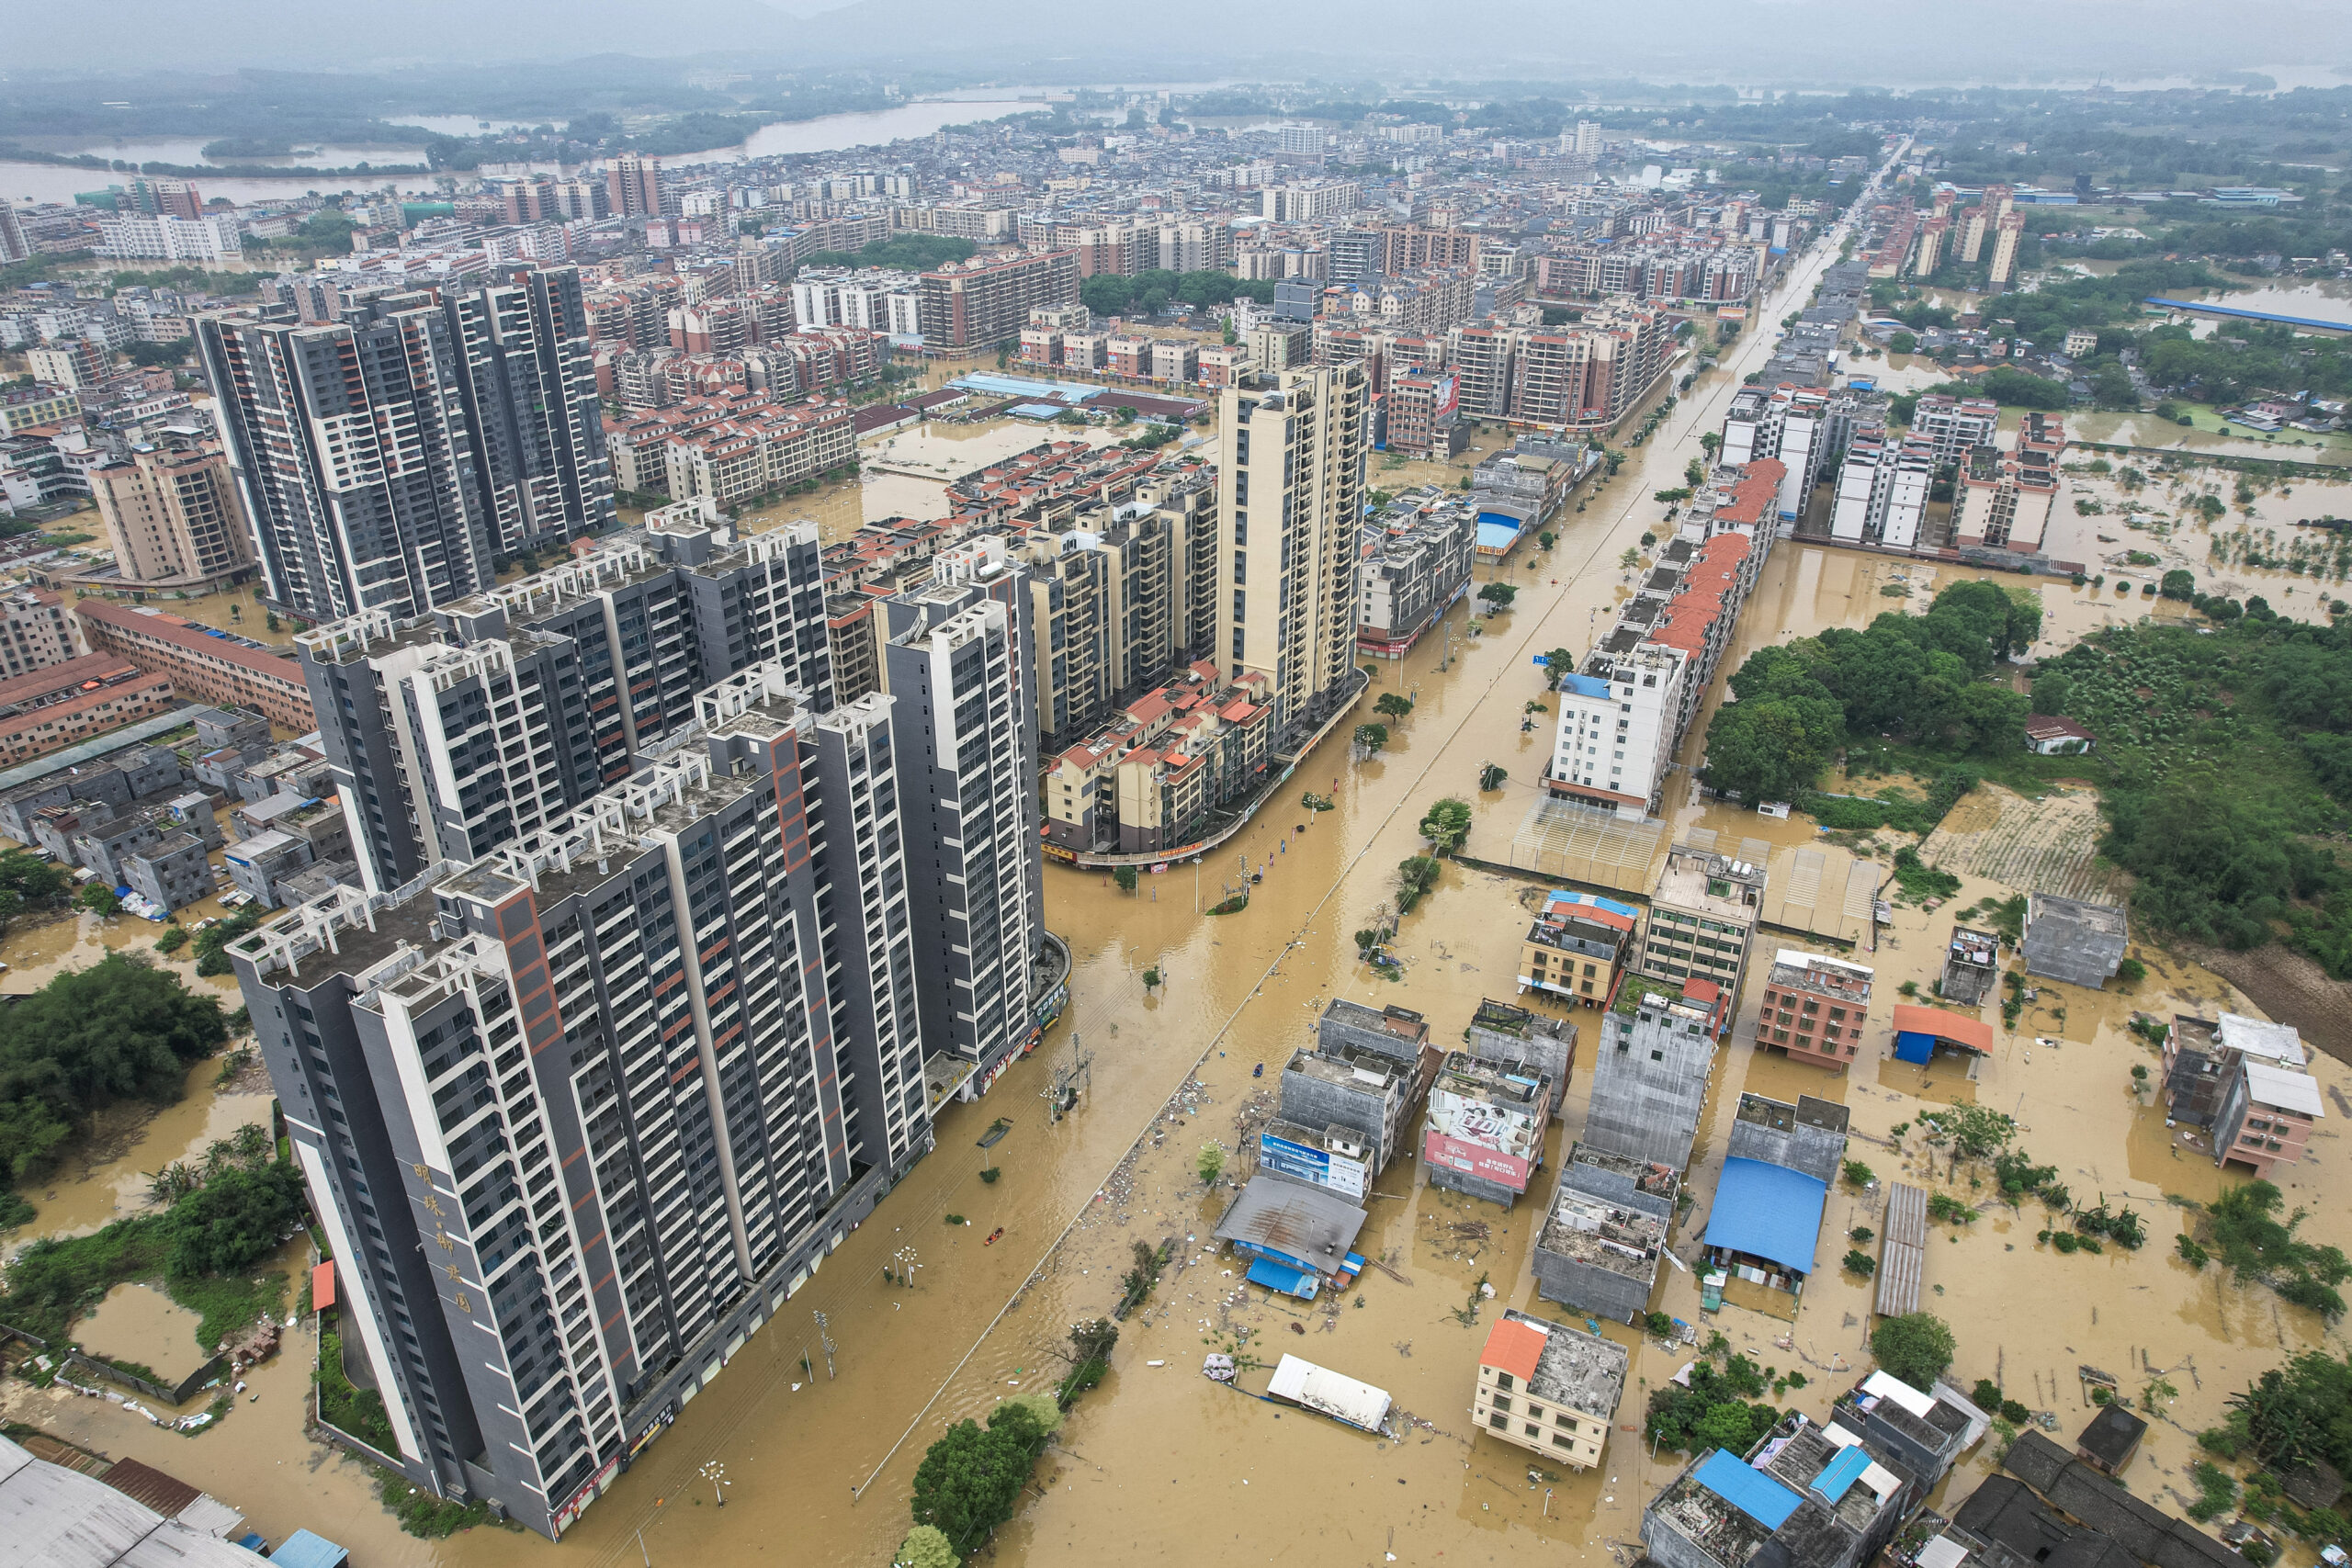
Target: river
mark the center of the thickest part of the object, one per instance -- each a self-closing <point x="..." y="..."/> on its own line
<point x="1160" y="1464"/>
<point x="828" y="133"/>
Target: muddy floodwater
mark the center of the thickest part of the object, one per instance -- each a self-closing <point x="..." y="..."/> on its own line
<point x="1160" y="1464"/>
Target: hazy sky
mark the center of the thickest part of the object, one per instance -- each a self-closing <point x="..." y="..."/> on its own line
<point x="1893" y="42"/>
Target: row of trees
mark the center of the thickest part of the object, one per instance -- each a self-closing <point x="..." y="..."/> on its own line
<point x="1918" y="678"/>
<point x="1147" y="293"/>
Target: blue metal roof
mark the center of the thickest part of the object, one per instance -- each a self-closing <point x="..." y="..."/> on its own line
<point x="1281" y="1277"/>
<point x="303" y="1549"/>
<point x="1595" y="900"/>
<point x="1767" y="1211"/>
<point x="1747" y="1488"/>
<point x="1584" y="685"/>
<point x="2251" y="315"/>
<point x="1841" y="1473"/>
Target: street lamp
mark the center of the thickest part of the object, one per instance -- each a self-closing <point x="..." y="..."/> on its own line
<point x="905" y="1259"/>
<point x="715" y="1473"/>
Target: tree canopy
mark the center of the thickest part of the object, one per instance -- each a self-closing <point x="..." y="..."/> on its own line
<point x="1109" y="294"/>
<point x="1920" y="678"/>
<point x="1916" y="1347"/>
<point x="970" y="1480"/>
<point x="118" y="1029"/>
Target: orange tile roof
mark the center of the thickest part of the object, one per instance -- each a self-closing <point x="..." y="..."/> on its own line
<point x="1514" y="1348"/>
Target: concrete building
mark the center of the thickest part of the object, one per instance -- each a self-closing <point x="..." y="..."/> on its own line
<point x="1815" y="1008"/>
<point x="1291" y="494"/>
<point x="1703" y="918"/>
<point x="1618" y="720"/>
<point x="202" y="661"/>
<point x="2071" y="940"/>
<point x="1336" y="1157"/>
<point x="172" y="516"/>
<point x="409" y="445"/>
<point x="35" y="632"/>
<point x="1575" y="947"/>
<point x="172" y="873"/>
<point x="1925" y="1433"/>
<point x="532" y="1318"/>
<point x="1500" y="1033"/>
<point x="1955" y="426"/>
<point x="1415" y="567"/>
<point x="1366" y="1072"/>
<point x="1599" y="1247"/>
<point x="1649" y="1075"/>
<point x="1482" y="1132"/>
<point x="967" y="766"/>
<point x="2111" y="1440"/>
<point x="1549" y="1388"/>
<point x="1882" y="488"/>
<point x="973" y="304"/>
<point x="1809" y="1136"/>
<point x="2201" y="1055"/>
<point x="2007" y="236"/>
<point x="2265" y="1117"/>
<point x="503" y="711"/>
<point x="2005" y="500"/>
<point x="2089" y="1517"/>
<point x="1807" y="1494"/>
<point x="58" y="705"/>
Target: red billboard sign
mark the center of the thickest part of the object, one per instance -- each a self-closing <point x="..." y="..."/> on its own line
<point x="1476" y="1160"/>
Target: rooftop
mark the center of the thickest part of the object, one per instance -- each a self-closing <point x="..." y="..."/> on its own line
<point x="1605" y="1235"/>
<point x="1563" y="1365"/>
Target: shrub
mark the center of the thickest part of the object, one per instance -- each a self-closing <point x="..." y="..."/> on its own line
<point x="1860" y="1264"/>
<point x="2014" y="1413"/>
<point x="1857" y="1173"/>
<point x="1916" y="1347"/>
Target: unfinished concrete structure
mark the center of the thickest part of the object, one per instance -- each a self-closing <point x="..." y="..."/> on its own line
<point x="1649" y="1079"/>
<point x="1391" y="1031"/>
<point x="1368" y="1093"/>
<point x="2071" y="940"/>
<point x="1600" y="1244"/>
<point x="1809" y="1136"/>
<point x="1703" y="917"/>
<point x="1502" y="1033"/>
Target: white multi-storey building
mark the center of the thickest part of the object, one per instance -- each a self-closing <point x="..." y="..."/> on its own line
<point x="1617" y="727"/>
<point x="143" y="236"/>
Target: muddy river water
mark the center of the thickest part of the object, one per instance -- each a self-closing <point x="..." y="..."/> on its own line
<point x="1160" y="1464"/>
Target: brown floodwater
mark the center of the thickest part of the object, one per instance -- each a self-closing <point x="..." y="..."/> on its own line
<point x="1159" y="1463"/>
<point x="141" y="1322"/>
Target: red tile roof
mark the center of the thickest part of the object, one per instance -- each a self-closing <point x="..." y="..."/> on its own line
<point x="1514" y="1348"/>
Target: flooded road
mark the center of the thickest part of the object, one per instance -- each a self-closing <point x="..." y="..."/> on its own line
<point x="1159" y="1463"/>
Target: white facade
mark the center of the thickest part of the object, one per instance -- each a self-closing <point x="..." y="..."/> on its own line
<point x="159" y="237"/>
<point x="1617" y="726"/>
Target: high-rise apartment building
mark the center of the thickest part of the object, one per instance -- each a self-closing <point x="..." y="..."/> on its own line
<point x="988" y="299"/>
<point x="580" y="1115"/>
<point x="389" y="458"/>
<point x="1620" y="718"/>
<point x="503" y="711"/>
<point x="35" y="632"/>
<point x="1955" y="426"/>
<point x="2006" y="234"/>
<point x="633" y="186"/>
<point x="172" y="516"/>
<point x="1292" y="496"/>
<point x="966" y="759"/>
<point x="169" y="198"/>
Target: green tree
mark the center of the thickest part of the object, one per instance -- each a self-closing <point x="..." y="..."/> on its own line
<point x="2180" y="584"/>
<point x="926" y="1546"/>
<point x="971" y="1478"/>
<point x="235" y="1219"/>
<point x="1916" y="1348"/>
<point x="1393" y="705"/>
<point x="1211" y="1164"/>
<point x="99" y="899"/>
<point x="2051" y="691"/>
<point x="1447" y="824"/>
<point x="1371" y="738"/>
<point x="1124" y="875"/>
<point x="1559" y="665"/>
<point x="1415" y="875"/>
<point x="1498" y="594"/>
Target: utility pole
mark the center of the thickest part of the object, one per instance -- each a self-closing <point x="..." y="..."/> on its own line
<point x="715" y="1473"/>
<point x="825" y="1340"/>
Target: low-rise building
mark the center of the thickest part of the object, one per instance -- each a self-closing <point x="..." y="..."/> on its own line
<point x="1336" y="1157"/>
<point x="2265" y="1117"/>
<point x="1971" y="964"/>
<point x="1815" y="1008"/>
<point x="2073" y="939"/>
<point x="59" y="706"/>
<point x="2202" y="1056"/>
<point x="1804" y="1495"/>
<point x="1926" y="1433"/>
<point x="2112" y="1439"/>
<point x="1549" y="1388"/>
<point x="1575" y="946"/>
<point x="2053" y="735"/>
<point x="172" y="873"/>
<point x="1600" y="1244"/>
<point x="1501" y="1032"/>
<point x="1482" y="1132"/>
<point x="202" y="662"/>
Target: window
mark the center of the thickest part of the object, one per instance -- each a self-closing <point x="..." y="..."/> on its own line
<point x="1500" y="1422"/>
<point x="1503" y="1381"/>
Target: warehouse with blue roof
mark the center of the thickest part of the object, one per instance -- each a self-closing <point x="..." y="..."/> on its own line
<point x="1765" y="1223"/>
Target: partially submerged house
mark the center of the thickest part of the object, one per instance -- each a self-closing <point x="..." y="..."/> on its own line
<point x="2073" y="939"/>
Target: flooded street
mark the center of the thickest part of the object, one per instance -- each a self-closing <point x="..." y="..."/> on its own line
<point x="1161" y="1463"/>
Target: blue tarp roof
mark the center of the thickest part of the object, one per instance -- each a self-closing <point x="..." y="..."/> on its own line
<point x="1583" y="685"/>
<point x="1747" y="1488"/>
<point x="1283" y="1278"/>
<point x="1767" y="1211"/>
<point x="1911" y="1046"/>
<point x="1841" y="1473"/>
<point x="303" y="1549"/>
